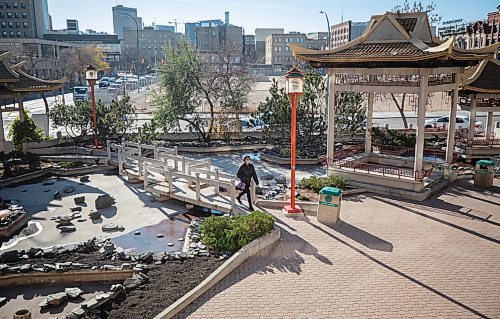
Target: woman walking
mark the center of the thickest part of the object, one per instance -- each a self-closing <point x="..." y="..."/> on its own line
<point x="245" y="174"/>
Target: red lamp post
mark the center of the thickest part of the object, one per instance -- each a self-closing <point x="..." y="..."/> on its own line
<point x="295" y="88"/>
<point x="91" y="76"/>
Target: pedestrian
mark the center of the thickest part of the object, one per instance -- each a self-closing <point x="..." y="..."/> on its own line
<point x="245" y="174"/>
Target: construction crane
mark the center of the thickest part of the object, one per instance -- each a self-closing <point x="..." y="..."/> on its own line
<point x="175" y="22"/>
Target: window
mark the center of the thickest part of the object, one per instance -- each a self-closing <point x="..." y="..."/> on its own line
<point x="15" y="5"/>
<point x="4" y="34"/>
<point x="19" y="34"/>
<point x="275" y="40"/>
<point x="9" y="14"/>
<point x="286" y="40"/>
<point x="23" y="5"/>
<point x="11" y="34"/>
<point x="7" y="5"/>
<point x="24" y="15"/>
<point x="4" y="25"/>
<point x="280" y="40"/>
<point x="459" y="120"/>
<point x="26" y="34"/>
<point x="1" y="4"/>
<point x="302" y="40"/>
<point x="18" y="25"/>
<point x="287" y="49"/>
<point x="275" y="49"/>
<point x="25" y="25"/>
<point x="11" y="25"/>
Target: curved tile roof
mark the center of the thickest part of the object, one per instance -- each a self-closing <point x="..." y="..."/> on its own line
<point x="484" y="79"/>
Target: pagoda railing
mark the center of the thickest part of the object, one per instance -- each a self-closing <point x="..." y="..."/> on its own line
<point x="489" y="142"/>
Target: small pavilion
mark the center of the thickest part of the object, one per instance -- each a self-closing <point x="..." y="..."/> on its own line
<point x="15" y="86"/>
<point x="480" y="92"/>
<point x="396" y="54"/>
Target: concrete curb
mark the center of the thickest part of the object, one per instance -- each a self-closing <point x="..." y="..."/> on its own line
<point x="54" y="171"/>
<point x="65" y="277"/>
<point x="286" y="161"/>
<point x="225" y="269"/>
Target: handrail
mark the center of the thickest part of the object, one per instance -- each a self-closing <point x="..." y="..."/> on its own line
<point x="384" y="170"/>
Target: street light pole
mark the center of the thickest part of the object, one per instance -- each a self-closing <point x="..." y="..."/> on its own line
<point x="295" y="87"/>
<point x="329" y="31"/>
<point x="91" y="76"/>
<point x="137" y="44"/>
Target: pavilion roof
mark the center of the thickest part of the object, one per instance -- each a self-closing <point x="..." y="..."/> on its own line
<point x="485" y="78"/>
<point x="395" y="40"/>
<point x="13" y="79"/>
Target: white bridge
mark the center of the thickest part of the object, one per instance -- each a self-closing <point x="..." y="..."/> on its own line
<point x="169" y="176"/>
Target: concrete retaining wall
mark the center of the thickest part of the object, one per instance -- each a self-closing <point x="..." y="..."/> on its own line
<point x="286" y="161"/>
<point x="225" y="269"/>
<point x="70" y="277"/>
<point x="54" y="171"/>
<point x="222" y="149"/>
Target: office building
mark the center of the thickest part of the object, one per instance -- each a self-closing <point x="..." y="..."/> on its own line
<point x="24" y="19"/>
<point x="344" y="32"/>
<point x="249" y="48"/>
<point x="72" y="26"/>
<point x="160" y="27"/>
<point x="125" y="18"/>
<point x="278" y="54"/>
<point x="260" y="41"/>
<point x="210" y="38"/>
<point x="317" y="40"/>
<point x="151" y="47"/>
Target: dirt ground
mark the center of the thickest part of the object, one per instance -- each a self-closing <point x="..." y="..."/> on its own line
<point x="168" y="283"/>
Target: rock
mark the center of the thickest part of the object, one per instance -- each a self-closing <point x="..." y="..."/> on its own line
<point x="112" y="228"/>
<point x="258" y="190"/>
<point x="3" y="301"/>
<point x="81" y="220"/>
<point x="10" y="256"/>
<point x="79" y="200"/>
<point x="55" y="300"/>
<point x="94" y="214"/>
<point x="67" y="229"/>
<point x="267" y="177"/>
<point x="85" y="178"/>
<point x="78" y="312"/>
<point x="73" y="293"/>
<point x="192" y="245"/>
<point x="25" y="268"/>
<point x="57" y="195"/>
<point x="160" y="236"/>
<point x="76" y="209"/>
<point x="90" y="304"/>
<point x="170" y="244"/>
<point x="280" y="179"/>
<point x="180" y="239"/>
<point x="134" y="282"/>
<point x="108" y="248"/>
<point x="48" y="183"/>
<point x="68" y="189"/>
<point x="4" y="268"/>
<point x="126" y="266"/>
<point x="146" y="258"/>
<point x="33" y="252"/>
<point x="104" y="201"/>
<point x="137" y="233"/>
<point x="158" y="256"/>
<point x="44" y="304"/>
<point x="63" y="222"/>
<point x="117" y="287"/>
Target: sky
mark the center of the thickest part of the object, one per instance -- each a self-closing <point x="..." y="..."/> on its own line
<point x="292" y="15"/>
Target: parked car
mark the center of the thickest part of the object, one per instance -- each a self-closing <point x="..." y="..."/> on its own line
<point x="462" y="123"/>
<point x="112" y="79"/>
<point x="104" y="82"/>
<point x="80" y="93"/>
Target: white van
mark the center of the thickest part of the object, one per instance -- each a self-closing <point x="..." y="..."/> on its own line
<point x="80" y="93"/>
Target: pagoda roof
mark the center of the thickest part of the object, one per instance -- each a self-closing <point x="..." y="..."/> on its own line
<point x="395" y="40"/>
<point x="484" y="78"/>
<point x="13" y="79"/>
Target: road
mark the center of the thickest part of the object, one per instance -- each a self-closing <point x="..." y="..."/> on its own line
<point x="379" y="118"/>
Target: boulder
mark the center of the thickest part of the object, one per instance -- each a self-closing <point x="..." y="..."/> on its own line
<point x="134" y="282"/>
<point x="280" y="179"/>
<point x="68" y="189"/>
<point x="73" y="293"/>
<point x="3" y="301"/>
<point x="48" y="183"/>
<point x="146" y="258"/>
<point x="55" y="300"/>
<point x="112" y="228"/>
<point x="84" y="179"/>
<point x="94" y="214"/>
<point x="267" y="177"/>
<point x="67" y="229"/>
<point x="104" y="201"/>
<point x="79" y="200"/>
<point x="78" y="312"/>
<point x="57" y="195"/>
<point x="10" y="256"/>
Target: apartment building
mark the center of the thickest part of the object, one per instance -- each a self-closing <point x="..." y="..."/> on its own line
<point x="346" y="31"/>
<point x="278" y="54"/>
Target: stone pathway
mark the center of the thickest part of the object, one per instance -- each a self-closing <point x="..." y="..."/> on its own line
<point x="387" y="259"/>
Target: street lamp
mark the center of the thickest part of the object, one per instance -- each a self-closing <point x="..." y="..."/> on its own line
<point x="328" y="24"/>
<point x="137" y="51"/>
<point x="91" y="76"/>
<point x="295" y="87"/>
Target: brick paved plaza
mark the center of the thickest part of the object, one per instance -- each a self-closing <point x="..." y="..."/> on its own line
<point x="387" y="259"/>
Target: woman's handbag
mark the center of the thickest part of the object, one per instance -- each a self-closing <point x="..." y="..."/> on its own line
<point x="240" y="186"/>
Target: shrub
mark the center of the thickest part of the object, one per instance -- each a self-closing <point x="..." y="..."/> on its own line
<point x="316" y="183"/>
<point x="23" y="132"/>
<point x="232" y="233"/>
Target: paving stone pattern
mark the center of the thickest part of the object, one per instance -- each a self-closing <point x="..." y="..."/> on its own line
<point x="387" y="259"/>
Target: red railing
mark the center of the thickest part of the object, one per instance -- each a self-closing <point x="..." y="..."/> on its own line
<point x="343" y="153"/>
<point x="381" y="169"/>
<point x="491" y="142"/>
<point x="408" y="151"/>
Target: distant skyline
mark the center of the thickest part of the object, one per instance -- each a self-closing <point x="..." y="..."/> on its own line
<point x="293" y="15"/>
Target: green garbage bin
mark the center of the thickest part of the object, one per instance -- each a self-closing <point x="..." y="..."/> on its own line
<point x="484" y="174"/>
<point x="330" y="199"/>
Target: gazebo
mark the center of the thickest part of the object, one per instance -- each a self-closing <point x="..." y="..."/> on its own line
<point x="396" y="54"/>
<point x="480" y="92"/>
<point x="15" y="86"/>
